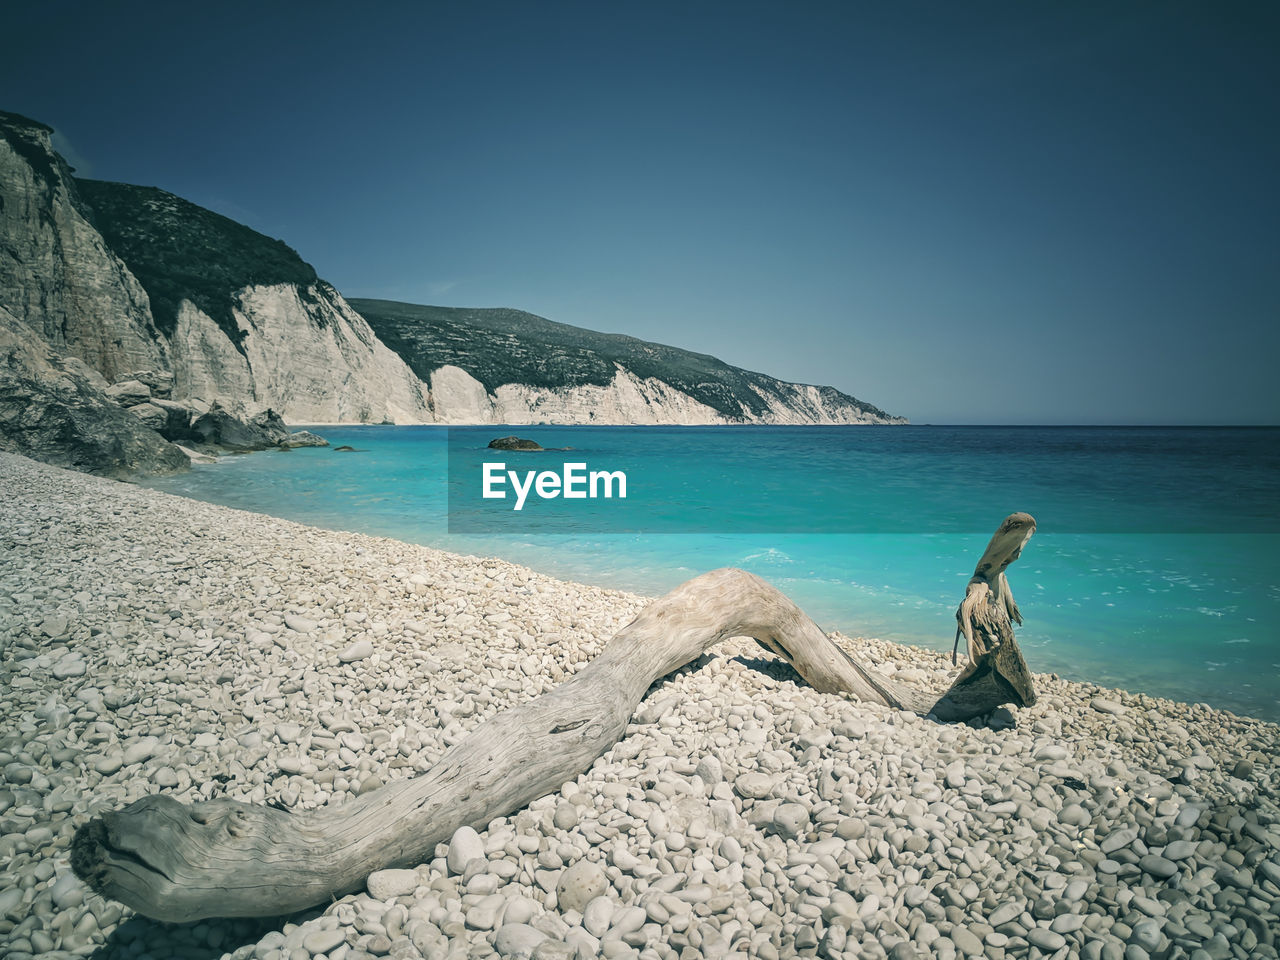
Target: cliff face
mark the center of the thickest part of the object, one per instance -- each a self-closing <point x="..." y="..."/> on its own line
<point x="458" y="397"/>
<point x="170" y="303"/>
<point x="525" y="369"/>
<point x="247" y="322"/>
<point x="300" y="351"/>
<point x="57" y="274"/>
<point x="137" y="282"/>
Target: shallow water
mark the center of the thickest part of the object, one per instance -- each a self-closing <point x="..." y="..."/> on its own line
<point x="1156" y="566"/>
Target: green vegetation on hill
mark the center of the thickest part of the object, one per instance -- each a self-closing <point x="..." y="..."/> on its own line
<point x="180" y="251"/>
<point x="498" y="346"/>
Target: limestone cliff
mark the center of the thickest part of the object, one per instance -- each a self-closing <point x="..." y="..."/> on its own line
<point x="458" y="397"/>
<point x="178" y="309"/>
<point x="239" y="319"/>
<point x="516" y="367"/>
<point x="57" y="273"/>
<point x="301" y="351"/>
<point x="247" y="322"/>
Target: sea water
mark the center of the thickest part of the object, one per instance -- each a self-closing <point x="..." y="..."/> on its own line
<point x="1155" y="567"/>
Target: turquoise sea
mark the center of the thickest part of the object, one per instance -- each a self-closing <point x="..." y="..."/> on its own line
<point x="1155" y="568"/>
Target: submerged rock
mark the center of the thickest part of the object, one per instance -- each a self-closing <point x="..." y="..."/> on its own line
<point x="197" y="456"/>
<point x="515" y="443"/>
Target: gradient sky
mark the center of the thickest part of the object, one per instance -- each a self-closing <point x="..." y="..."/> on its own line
<point x="962" y="212"/>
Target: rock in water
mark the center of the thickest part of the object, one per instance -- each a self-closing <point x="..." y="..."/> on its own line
<point x="195" y="456"/>
<point x="220" y="428"/>
<point x="514" y="443"/>
<point x="271" y="424"/>
<point x="303" y="438"/>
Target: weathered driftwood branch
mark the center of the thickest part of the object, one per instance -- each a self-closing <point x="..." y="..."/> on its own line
<point x="174" y="862"/>
<point x="986" y="618"/>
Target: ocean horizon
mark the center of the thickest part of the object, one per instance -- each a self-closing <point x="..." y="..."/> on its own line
<point x="1155" y="568"/>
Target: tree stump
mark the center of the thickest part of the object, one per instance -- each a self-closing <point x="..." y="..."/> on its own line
<point x="222" y="858"/>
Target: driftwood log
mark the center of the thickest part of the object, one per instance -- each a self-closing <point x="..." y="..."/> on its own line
<point x="223" y="858"/>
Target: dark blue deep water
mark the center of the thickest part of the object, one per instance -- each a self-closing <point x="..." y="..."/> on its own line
<point x="1156" y="565"/>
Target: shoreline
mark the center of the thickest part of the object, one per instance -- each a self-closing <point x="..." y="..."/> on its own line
<point x="1133" y="611"/>
<point x="555" y="426"/>
<point x="152" y="641"/>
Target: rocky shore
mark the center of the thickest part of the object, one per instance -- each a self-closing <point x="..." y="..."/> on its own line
<point x="152" y="643"/>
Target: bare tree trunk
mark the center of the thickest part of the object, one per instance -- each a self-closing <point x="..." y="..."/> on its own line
<point x="174" y="862"/>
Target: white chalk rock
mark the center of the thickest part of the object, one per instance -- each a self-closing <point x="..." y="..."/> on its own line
<point x="359" y="650"/>
<point x="579" y="885"/>
<point x="387" y="884"/>
<point x="464" y="846"/>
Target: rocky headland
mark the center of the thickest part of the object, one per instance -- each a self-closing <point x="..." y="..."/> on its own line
<point x="172" y="312"/>
<point x="153" y="643"/>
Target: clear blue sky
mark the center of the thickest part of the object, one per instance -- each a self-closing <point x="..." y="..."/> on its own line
<point x="962" y="212"/>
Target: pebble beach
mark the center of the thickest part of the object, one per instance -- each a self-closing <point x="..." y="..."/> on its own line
<point x="151" y="643"/>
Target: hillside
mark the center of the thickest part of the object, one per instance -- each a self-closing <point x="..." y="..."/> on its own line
<point x="500" y="346"/>
<point x="131" y="300"/>
<point x="181" y="251"/>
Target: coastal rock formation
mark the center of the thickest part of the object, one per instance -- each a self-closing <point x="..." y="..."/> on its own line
<point x="303" y="438"/>
<point x="52" y="409"/>
<point x="515" y="443"/>
<point x="624" y="399"/>
<point x="57" y="273"/>
<point x="218" y="428"/>
<point x="167" y="302"/>
<point x="515" y="367"/>
<point x="300" y="350"/>
<point x="247" y="323"/>
<point x="165" y="299"/>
